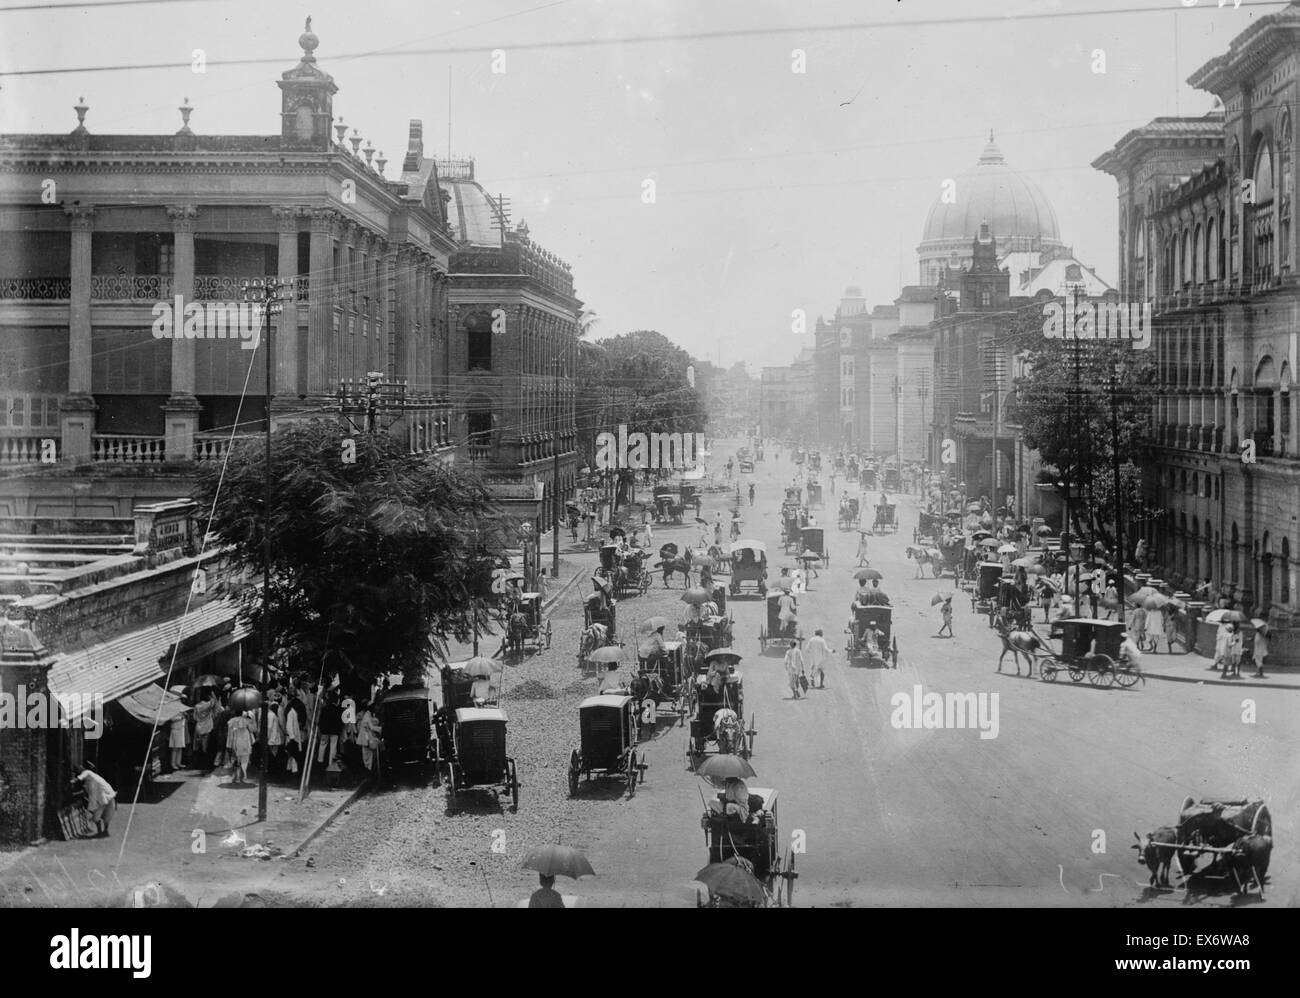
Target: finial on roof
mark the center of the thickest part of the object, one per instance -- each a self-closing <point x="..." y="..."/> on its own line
<point x="185" y="111"/>
<point x="309" y="42"/>
<point x="81" y="108"/>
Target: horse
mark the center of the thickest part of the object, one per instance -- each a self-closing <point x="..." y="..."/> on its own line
<point x="516" y="629"/>
<point x="1019" y="643"/>
<point x="672" y="563"/>
<point x="926" y="556"/>
<point x="592" y="638"/>
<point x="727" y="730"/>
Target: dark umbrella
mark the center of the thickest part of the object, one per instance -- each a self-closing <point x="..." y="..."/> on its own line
<point x="867" y="573"/>
<point x="728" y="881"/>
<point x="615" y="532"/>
<point x="718" y="769"/>
<point x="245" y="699"/>
<point x="558" y="861"/>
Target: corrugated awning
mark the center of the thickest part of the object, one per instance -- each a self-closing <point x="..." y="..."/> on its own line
<point x="108" y="670"/>
<point x="143" y="705"/>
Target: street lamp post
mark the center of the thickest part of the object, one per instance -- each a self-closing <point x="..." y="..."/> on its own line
<point x="270" y="295"/>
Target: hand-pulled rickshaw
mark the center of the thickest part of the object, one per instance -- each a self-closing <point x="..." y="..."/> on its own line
<point x="867" y="478"/>
<point x="790" y="527"/>
<point x="405" y="716"/>
<point x="475" y="752"/>
<point x="608" y="729"/>
<point x="663" y="679"/>
<point x="632" y="576"/>
<point x="870" y="635"/>
<point x="748" y="564"/>
<point x="668" y="507"/>
<point x="813" y="539"/>
<point x="777" y="631"/>
<point x="1091" y="648"/>
<point x="525" y="624"/>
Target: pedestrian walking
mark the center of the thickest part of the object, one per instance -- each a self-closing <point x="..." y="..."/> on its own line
<point x="178" y="738"/>
<point x="1220" y="649"/>
<point x="945" y="611"/>
<point x="1137" y="626"/>
<point x="862" y="549"/>
<point x="331" y="732"/>
<point x="1171" y="629"/>
<point x="818" y="654"/>
<point x="1155" y="628"/>
<point x="1232" y="658"/>
<point x="101" y="798"/>
<point x="274" y="739"/>
<point x="205" y="715"/>
<point x="239" y="740"/>
<point x="1260" y="651"/>
<point x="794" y="670"/>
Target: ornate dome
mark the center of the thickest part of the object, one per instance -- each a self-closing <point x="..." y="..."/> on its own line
<point x="1014" y="207"/>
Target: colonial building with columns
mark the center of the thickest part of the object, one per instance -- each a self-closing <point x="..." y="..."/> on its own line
<point x="109" y="238"/>
<point x="1207" y="237"/>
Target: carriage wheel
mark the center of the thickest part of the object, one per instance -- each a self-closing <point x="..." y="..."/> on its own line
<point x="1077" y="672"/>
<point x="453" y="784"/>
<point x="631" y="773"/>
<point x="1103" y="676"/>
<point x="1127" y="676"/>
<point x="548" y="635"/>
<point x="575" y="769"/>
<point x="1047" y="672"/>
<point x="690" y="755"/>
<point x="514" y="785"/>
<point x="1263" y="823"/>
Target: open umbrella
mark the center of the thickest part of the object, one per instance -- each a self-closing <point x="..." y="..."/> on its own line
<point x="1047" y="583"/>
<point x="1258" y="624"/>
<point x="938" y="598"/>
<point x="1225" y="617"/>
<point x="616" y="532"/>
<point x="610" y="653"/>
<point x="972" y="507"/>
<point x="652" y="624"/>
<point x="1156" y="601"/>
<point x="1008" y="549"/>
<point x="867" y="573"/>
<point x="717" y="769"/>
<point x="558" y="861"/>
<point x="730" y="882"/>
<point x="721" y="654"/>
<point x="696" y="596"/>
<point x="980" y="535"/>
<point x="1043" y="531"/>
<point x="989" y="542"/>
<point x="1141" y="595"/>
<point x="481" y="667"/>
<point x="245" y="699"/>
<point x="746" y="542"/>
<point x="810" y="555"/>
<point x="1020" y="562"/>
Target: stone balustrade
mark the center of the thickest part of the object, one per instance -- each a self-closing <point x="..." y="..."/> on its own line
<point x="23" y="450"/>
<point x="113" y="448"/>
<point x="35" y="288"/>
<point x="131" y="287"/>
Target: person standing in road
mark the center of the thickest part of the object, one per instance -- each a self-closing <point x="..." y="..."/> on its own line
<point x="1232" y="656"/>
<point x="862" y="549"/>
<point x="794" y="669"/>
<point x="945" y="611"/>
<point x="239" y="740"/>
<point x="205" y="712"/>
<point x="178" y="738"/>
<point x="331" y="732"/>
<point x="1260" y="651"/>
<point x="819" y="653"/>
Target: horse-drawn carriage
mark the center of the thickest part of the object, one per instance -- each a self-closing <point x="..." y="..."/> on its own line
<point x="472" y="746"/>
<point x="793" y="496"/>
<point x="754" y="844"/>
<point x="525" y="626"/>
<point x="871" y="636"/>
<point x="1013" y="611"/>
<point x="815" y="495"/>
<point x="792" y="519"/>
<point x="608" y="729"/>
<point x="665" y="679"/>
<point x="632" y="574"/>
<point x="1091" y="648"/>
<point x="867" y="478"/>
<point x="850" y="513"/>
<point x="984" y="594"/>
<point x="718" y="719"/>
<point x="777" y="631"/>
<point x="408" y="733"/>
<point x="886" y="520"/>
<point x="929" y="528"/>
<point x="690" y="496"/>
<point x="748" y="564"/>
<point x="812" y="541"/>
<point x="668" y="506"/>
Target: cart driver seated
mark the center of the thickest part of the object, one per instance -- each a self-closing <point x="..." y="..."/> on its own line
<point x="735" y="799"/>
<point x="653" y="650"/>
<point x="483" y="691"/>
<point x="746" y="559"/>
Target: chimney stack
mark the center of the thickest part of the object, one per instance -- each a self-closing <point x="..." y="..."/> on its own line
<point x="414" y="147"/>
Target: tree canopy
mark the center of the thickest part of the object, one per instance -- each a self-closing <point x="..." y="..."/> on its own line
<point x="374" y="562"/>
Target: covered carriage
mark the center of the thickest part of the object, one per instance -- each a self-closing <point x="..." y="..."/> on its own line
<point x="1091" y="648"/>
<point x="984" y="594"/>
<point x="475" y="753"/>
<point x="870" y="636"/>
<point x="850" y="515"/>
<point x="748" y="565"/>
<point x="607" y="726"/>
<point x="755" y="844"/>
<point x="526" y="626"/>
<point x="886" y="520"/>
<point x="718" y="719"/>
<point x="776" y="631"/>
<point x="408" y="742"/>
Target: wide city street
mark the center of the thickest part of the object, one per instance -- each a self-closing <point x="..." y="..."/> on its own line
<point x="1042" y="814"/>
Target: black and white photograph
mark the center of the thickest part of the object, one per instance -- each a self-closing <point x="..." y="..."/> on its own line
<point x="666" y="454"/>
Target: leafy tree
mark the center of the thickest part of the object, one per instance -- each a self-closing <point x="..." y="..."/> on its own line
<point x="374" y="562"/>
<point x="1064" y="406"/>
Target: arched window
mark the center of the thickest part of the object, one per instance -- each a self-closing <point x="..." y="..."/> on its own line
<point x="1185" y="260"/>
<point x="1285" y="443"/>
<point x="1266" y="573"/>
<point x="1195" y="540"/>
<point x="1264" y="423"/>
<point x="1198" y="256"/>
<point x="478" y="341"/>
<point x="1211" y="252"/>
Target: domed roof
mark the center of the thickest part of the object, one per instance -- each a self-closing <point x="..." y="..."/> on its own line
<point x="992" y="192"/>
<point x="474" y="217"/>
<point x="853" y="291"/>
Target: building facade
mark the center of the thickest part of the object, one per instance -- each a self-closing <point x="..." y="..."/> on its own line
<point x="783" y="399"/>
<point x="1206" y="236"/>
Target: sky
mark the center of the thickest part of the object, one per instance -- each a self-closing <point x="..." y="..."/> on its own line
<point x="773" y="189"/>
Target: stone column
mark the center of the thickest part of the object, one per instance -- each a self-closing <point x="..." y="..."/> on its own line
<point x="286" y="333"/>
<point x="77" y="407"/>
<point x="321" y="291"/>
<point x="384" y="329"/>
<point x="181" y="413"/>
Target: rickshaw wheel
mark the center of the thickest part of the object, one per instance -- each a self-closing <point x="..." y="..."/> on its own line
<point x="1076" y="673"/>
<point x="1126" y="676"/>
<point x="1047" y="672"/>
<point x="631" y="773"/>
<point x="575" y="768"/>
<point x="452" y="782"/>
